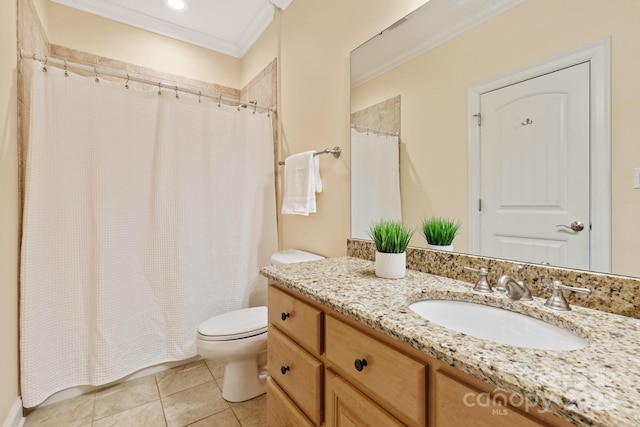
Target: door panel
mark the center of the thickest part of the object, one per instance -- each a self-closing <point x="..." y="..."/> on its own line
<point x="534" y="153"/>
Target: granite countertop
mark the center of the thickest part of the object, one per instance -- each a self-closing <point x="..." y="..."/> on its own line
<point x="595" y="386"/>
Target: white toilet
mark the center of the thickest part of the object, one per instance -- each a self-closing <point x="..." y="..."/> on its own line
<point x="238" y="338"/>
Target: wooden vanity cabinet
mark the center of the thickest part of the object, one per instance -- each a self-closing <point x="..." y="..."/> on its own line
<point x="297" y="319"/>
<point x="347" y="406"/>
<point x="282" y="411"/>
<point x="342" y="373"/>
<point x="460" y="404"/>
<point x="394" y="379"/>
<point x="294" y="346"/>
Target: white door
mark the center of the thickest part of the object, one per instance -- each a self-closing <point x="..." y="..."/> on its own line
<point x="534" y="169"/>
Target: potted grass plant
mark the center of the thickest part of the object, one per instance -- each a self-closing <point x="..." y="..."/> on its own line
<point x="440" y="232"/>
<point x="391" y="239"/>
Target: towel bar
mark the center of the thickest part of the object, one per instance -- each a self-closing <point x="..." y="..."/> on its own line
<point x="335" y="151"/>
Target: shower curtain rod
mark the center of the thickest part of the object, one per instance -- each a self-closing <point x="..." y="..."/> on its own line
<point x="375" y="131"/>
<point x="68" y="64"/>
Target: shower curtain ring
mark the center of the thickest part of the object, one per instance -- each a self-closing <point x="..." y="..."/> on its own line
<point x="159" y="88"/>
<point x="199" y="96"/>
<point x="66" y="71"/>
<point x="44" y="64"/>
<point x="97" y="78"/>
<point x="219" y="100"/>
<point x="255" y="105"/>
<point x="177" y="97"/>
<point x="126" y="84"/>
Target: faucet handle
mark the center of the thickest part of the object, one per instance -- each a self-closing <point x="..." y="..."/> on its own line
<point x="557" y="300"/>
<point x="482" y="285"/>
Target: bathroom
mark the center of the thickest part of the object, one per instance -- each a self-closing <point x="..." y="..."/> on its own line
<point x="306" y="52"/>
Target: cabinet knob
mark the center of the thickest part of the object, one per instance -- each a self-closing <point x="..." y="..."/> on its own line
<point x="284" y="316"/>
<point x="284" y="369"/>
<point x="360" y="364"/>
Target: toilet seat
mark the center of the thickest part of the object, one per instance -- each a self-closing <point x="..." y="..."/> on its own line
<point x="233" y="325"/>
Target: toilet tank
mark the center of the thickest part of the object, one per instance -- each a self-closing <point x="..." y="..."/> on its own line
<point x="291" y="256"/>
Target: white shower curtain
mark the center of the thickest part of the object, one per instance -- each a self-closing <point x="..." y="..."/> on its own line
<point x="375" y="181"/>
<point x="144" y="215"/>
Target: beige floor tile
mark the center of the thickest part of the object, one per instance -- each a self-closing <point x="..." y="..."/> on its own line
<point x="252" y="413"/>
<point x="147" y="415"/>
<point x="183" y="377"/>
<point x="225" y="418"/>
<point x="193" y="404"/>
<point x="217" y="369"/>
<point x="124" y="396"/>
<point x="73" y="412"/>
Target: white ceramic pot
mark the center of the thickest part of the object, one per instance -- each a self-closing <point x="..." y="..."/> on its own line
<point x="448" y="248"/>
<point x="391" y="266"/>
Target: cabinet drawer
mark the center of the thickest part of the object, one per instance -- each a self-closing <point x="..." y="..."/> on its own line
<point x="346" y="406"/>
<point x="458" y="404"/>
<point x="281" y="411"/>
<point x="397" y="381"/>
<point x="298" y="373"/>
<point x="299" y="320"/>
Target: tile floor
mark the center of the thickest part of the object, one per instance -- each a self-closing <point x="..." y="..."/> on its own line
<point x="188" y="395"/>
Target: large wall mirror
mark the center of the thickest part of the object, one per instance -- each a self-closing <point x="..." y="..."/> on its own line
<point x="557" y="86"/>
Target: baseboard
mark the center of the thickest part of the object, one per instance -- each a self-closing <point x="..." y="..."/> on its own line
<point x="15" y="418"/>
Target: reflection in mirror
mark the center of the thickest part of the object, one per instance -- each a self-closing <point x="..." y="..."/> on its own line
<point x="375" y="166"/>
<point x="465" y="50"/>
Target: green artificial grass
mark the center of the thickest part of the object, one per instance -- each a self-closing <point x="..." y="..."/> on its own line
<point x="390" y="236"/>
<point x="440" y="231"/>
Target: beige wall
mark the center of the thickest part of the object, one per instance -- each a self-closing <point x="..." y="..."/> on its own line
<point x="8" y="210"/>
<point x="90" y="33"/>
<point x="263" y="51"/>
<point x="316" y="38"/>
<point x="42" y="10"/>
<point x="434" y="104"/>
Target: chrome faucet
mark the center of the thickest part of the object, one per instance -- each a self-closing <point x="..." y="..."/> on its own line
<point x="515" y="289"/>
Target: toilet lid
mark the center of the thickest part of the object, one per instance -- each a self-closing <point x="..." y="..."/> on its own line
<point x="235" y="324"/>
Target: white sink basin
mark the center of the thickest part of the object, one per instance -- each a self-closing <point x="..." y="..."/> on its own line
<point x="498" y="325"/>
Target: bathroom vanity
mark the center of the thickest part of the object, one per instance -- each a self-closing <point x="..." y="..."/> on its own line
<point x="345" y="349"/>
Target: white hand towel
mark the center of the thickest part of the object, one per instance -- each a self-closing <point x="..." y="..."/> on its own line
<point x="301" y="183"/>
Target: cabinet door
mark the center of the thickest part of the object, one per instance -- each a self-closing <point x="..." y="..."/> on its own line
<point x="297" y="372"/>
<point x="281" y="411"/>
<point x="300" y="321"/>
<point x="347" y="407"/>
<point x="459" y="405"/>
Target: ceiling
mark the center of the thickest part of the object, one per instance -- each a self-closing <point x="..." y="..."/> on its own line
<point x="230" y="27"/>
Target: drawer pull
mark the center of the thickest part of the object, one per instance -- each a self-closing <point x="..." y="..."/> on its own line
<point x="284" y="316"/>
<point x="360" y="364"/>
<point x="284" y="369"/>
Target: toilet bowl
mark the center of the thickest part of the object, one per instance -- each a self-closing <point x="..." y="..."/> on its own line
<point x="238" y="338"/>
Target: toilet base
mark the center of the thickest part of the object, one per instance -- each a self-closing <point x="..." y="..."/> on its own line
<point x="242" y="380"/>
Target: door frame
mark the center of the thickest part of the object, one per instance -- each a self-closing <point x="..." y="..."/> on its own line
<point x="599" y="56"/>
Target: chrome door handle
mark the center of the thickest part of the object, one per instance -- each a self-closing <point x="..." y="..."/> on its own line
<point x="575" y="226"/>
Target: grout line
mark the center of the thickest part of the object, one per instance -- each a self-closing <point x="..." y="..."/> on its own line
<point x="164" y="415"/>
<point x="93" y="409"/>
